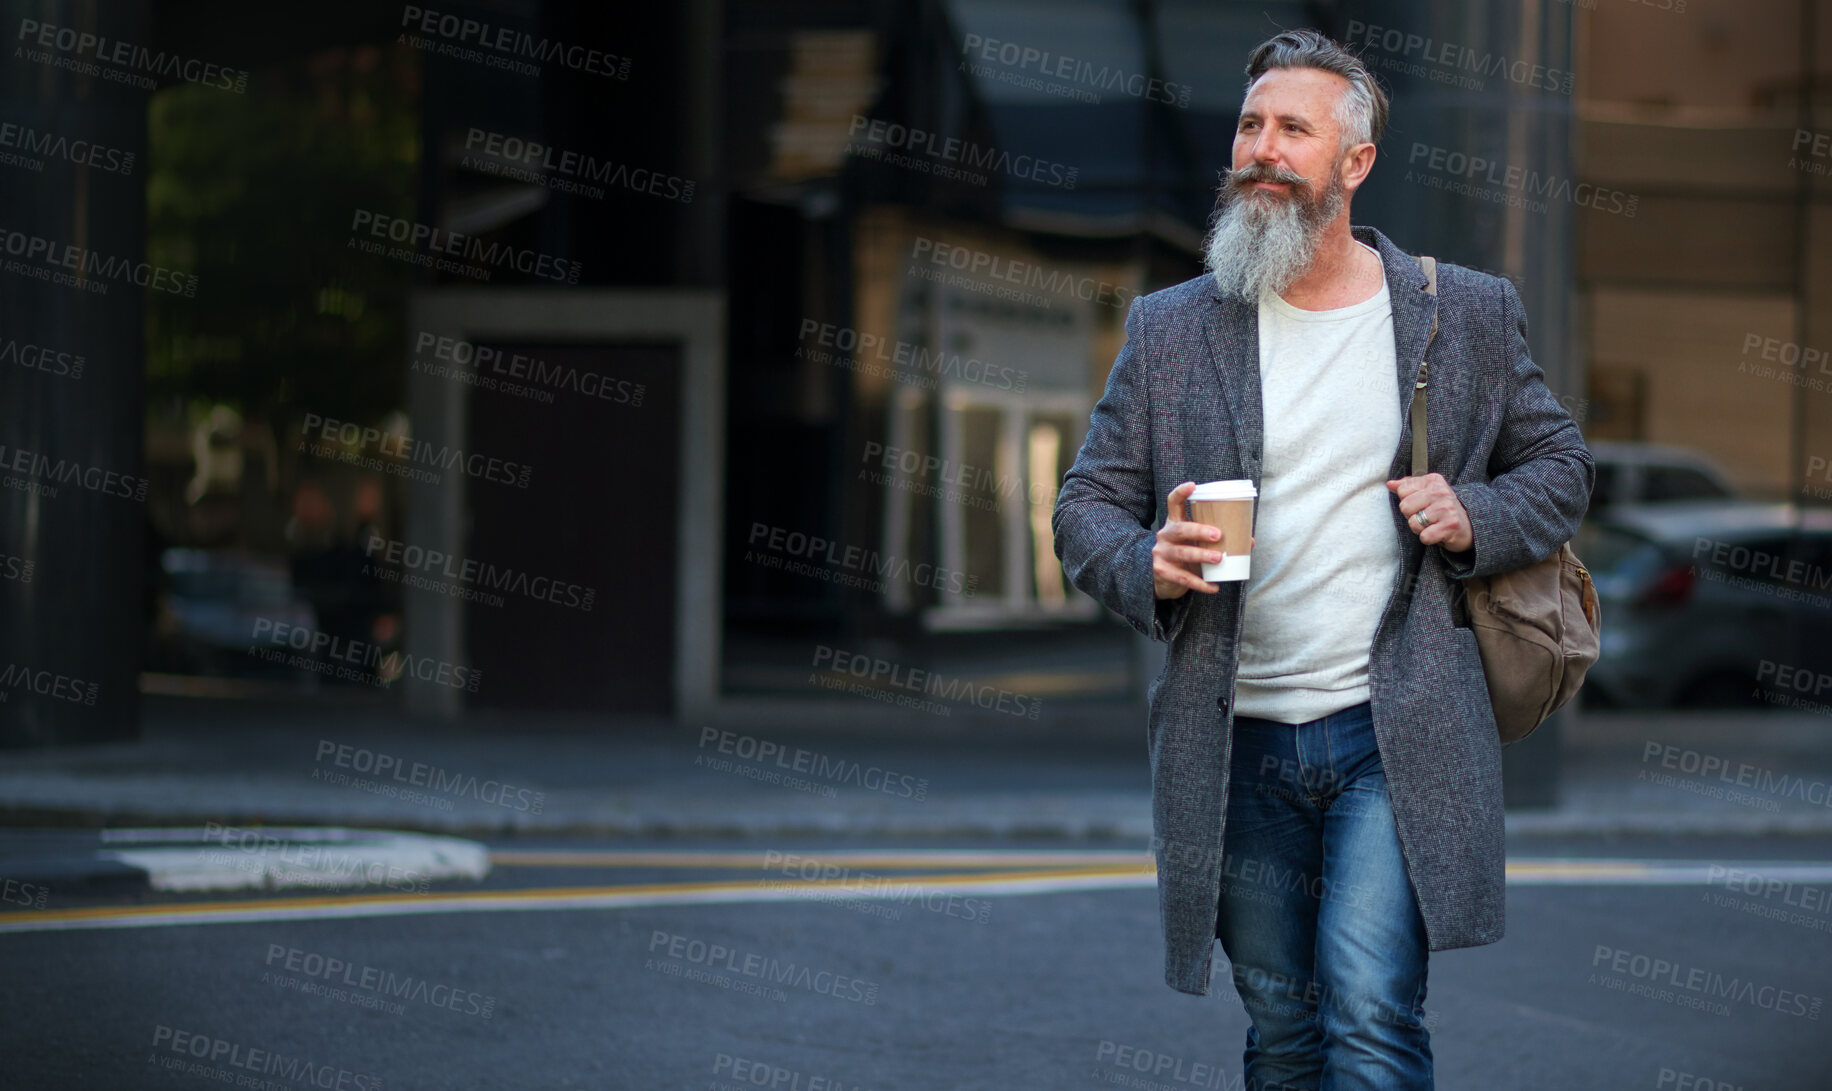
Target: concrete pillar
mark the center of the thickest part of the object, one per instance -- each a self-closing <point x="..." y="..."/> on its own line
<point x="72" y="559"/>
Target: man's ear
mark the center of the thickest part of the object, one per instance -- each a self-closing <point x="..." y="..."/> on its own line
<point x="1357" y="163"/>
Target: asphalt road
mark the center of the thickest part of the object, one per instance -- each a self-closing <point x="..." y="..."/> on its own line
<point x="1628" y="964"/>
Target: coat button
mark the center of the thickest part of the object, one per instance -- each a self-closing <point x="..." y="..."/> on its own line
<point x="1222" y="702"/>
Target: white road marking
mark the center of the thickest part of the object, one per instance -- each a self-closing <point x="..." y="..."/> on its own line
<point x="280" y="859"/>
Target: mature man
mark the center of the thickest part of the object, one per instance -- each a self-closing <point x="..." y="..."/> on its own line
<point x="1325" y="768"/>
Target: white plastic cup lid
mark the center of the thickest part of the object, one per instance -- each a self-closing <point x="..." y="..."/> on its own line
<point x="1225" y="490"/>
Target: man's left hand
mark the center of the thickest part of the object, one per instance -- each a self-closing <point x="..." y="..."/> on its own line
<point x="1446" y="523"/>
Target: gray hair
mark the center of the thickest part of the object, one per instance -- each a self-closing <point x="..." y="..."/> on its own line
<point x="1361" y="111"/>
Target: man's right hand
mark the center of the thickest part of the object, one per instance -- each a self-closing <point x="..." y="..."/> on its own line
<point x="1182" y="546"/>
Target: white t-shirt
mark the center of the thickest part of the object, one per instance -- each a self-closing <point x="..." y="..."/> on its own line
<point x="1324" y="554"/>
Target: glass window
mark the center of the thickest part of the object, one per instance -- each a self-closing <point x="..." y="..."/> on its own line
<point x="1679" y="483"/>
<point x="1762" y="560"/>
<point x="1010" y="453"/>
<point x="1617" y="559"/>
<point x="1609" y="485"/>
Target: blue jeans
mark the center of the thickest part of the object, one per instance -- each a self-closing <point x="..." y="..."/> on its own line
<point x="1317" y="913"/>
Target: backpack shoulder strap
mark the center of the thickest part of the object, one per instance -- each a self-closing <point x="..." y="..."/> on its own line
<point x="1419" y="447"/>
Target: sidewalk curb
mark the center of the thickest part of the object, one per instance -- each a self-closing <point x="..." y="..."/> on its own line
<point x="1682" y="824"/>
<point x="715" y="823"/>
<point x="997" y="818"/>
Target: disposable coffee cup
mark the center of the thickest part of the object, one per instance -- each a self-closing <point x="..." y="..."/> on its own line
<point x="1227" y="505"/>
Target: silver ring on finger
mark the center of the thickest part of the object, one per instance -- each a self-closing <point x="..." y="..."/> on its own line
<point x="1423" y="519"/>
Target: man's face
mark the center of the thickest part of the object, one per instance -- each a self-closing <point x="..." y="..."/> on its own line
<point x="1288" y="130"/>
<point x="1290" y="181"/>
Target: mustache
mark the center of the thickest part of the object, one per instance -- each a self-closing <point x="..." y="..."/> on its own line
<point x="1261" y="172"/>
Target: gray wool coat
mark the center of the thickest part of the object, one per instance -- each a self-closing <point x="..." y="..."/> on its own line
<point x="1183" y="404"/>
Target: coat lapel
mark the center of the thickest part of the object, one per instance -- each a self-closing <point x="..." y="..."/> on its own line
<point x="1413" y="308"/>
<point x="1231" y="328"/>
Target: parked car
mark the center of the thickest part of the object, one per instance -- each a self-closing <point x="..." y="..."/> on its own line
<point x="212" y="603"/>
<point x="1697" y="597"/>
<point x="1653" y="473"/>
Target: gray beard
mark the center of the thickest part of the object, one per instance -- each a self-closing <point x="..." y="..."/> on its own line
<point x="1262" y="243"/>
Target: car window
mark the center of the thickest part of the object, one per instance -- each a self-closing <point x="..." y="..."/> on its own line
<point x="263" y="588"/>
<point x="204" y="584"/>
<point x="1814" y="550"/>
<point x="1761" y="560"/>
<point x="1617" y="559"/>
<point x="1607" y="488"/>
<point x="1679" y="483"/>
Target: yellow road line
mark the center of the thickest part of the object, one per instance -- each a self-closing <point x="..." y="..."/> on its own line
<point x="357" y="905"/>
<point x="1578" y="867"/>
<point x="1529" y="870"/>
<point x="1120" y="870"/>
<point x="912" y="859"/>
